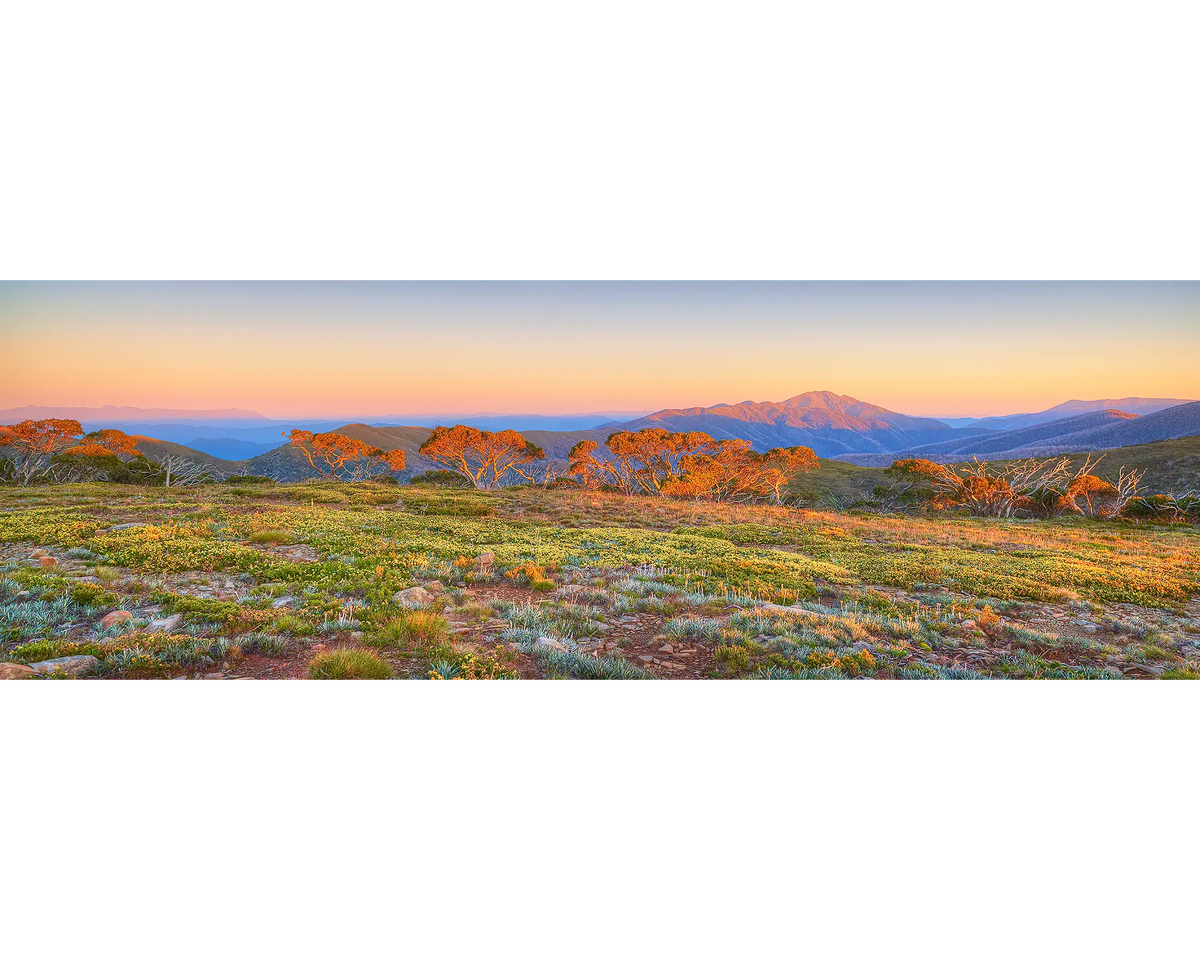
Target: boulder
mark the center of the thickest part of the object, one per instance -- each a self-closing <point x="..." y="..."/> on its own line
<point x="485" y="560"/>
<point x="284" y="602"/>
<point x="47" y="562"/>
<point x="412" y="597"/>
<point x="166" y="624"/>
<point x="16" y="671"/>
<point x="114" y="618"/>
<point x="72" y="666"/>
<point x="548" y="643"/>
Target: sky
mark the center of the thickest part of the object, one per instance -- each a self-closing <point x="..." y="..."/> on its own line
<point x="382" y="349"/>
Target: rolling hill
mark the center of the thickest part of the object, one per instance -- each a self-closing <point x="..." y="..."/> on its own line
<point x="1106" y="430"/>
<point x="1072" y="408"/>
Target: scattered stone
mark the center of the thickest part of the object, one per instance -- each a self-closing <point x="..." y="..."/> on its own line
<point x="284" y="602"/>
<point x="72" y="666"/>
<point x="318" y="646"/>
<point x="645" y="657"/>
<point x="214" y="676"/>
<point x="47" y="562"/>
<point x="114" y="618"/>
<point x="549" y="643"/>
<point x="128" y="526"/>
<point x="572" y="588"/>
<point x="969" y="624"/>
<point x="666" y="648"/>
<point x="166" y="624"/>
<point x="485" y="560"/>
<point x="16" y="671"/>
<point x="412" y="597"/>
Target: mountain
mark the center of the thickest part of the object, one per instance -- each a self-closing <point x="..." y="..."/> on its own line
<point x="109" y="414"/>
<point x="829" y="423"/>
<point x="1106" y="429"/>
<point x="229" y="449"/>
<point x="1072" y="408"/>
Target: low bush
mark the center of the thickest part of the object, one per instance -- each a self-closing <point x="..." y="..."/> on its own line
<point x="349" y="664"/>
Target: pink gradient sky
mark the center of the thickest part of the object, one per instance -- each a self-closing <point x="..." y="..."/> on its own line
<point x="340" y="349"/>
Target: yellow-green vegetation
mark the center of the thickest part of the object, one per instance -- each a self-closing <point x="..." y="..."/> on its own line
<point x="349" y="664"/>
<point x="584" y="561"/>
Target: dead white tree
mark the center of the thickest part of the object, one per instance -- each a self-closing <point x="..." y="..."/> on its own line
<point x="182" y="472"/>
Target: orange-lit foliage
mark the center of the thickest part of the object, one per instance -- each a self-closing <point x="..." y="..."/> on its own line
<point x="639" y="462"/>
<point x="1093" y="496"/>
<point x="1024" y="486"/>
<point x="689" y="465"/>
<point x="483" y="457"/>
<point x="338" y="457"/>
<point x="736" y="473"/>
<point x="32" y="444"/>
<point x="105" y="443"/>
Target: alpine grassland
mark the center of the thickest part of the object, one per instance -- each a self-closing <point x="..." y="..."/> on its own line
<point x="328" y="578"/>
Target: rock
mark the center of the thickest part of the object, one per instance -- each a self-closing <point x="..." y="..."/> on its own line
<point x="47" y="562"/>
<point x="114" y="618"/>
<point x="318" y="646"/>
<point x="412" y="597"/>
<point x="548" y="643"/>
<point x="1089" y="628"/>
<point x="356" y="635"/>
<point x="968" y="624"/>
<point x="71" y="666"/>
<point x="284" y="602"/>
<point x="214" y="676"/>
<point x="666" y="648"/>
<point x="16" y="671"/>
<point x="128" y="526"/>
<point x="38" y="554"/>
<point x="572" y="588"/>
<point x="166" y="624"/>
<point x="485" y="560"/>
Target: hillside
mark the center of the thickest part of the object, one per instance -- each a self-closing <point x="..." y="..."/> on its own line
<point x="1073" y="408"/>
<point x="994" y="444"/>
<point x="1106" y="430"/>
<point x="829" y="423"/>
<point x="1172" y="466"/>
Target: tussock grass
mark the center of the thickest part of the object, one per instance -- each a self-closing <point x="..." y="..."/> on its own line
<point x="349" y="664"/>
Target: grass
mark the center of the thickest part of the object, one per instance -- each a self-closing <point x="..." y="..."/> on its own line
<point x="270" y="536"/>
<point x="349" y="664"/>
<point x="698" y="570"/>
<point x="411" y="628"/>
